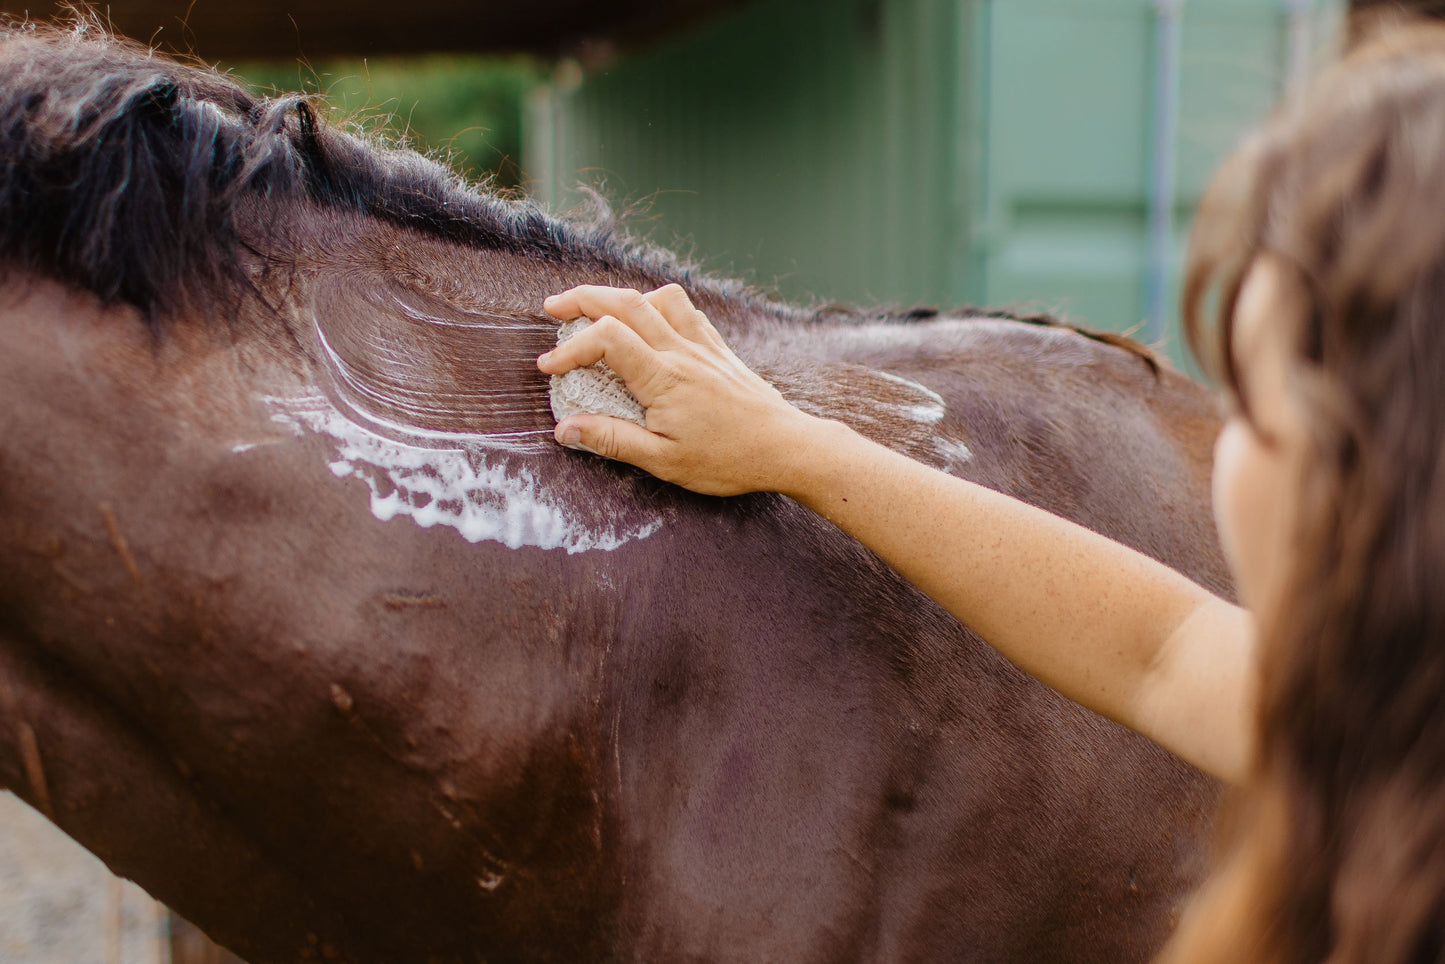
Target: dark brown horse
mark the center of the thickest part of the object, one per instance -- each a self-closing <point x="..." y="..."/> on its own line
<point x="307" y="626"/>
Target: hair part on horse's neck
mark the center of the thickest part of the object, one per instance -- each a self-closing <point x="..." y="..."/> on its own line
<point x="128" y="175"/>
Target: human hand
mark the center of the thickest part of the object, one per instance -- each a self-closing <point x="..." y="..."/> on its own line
<point x="713" y="425"/>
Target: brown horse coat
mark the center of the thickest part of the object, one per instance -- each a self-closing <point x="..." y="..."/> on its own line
<point x="307" y="627"/>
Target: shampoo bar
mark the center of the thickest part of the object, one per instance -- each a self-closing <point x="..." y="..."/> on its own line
<point x="596" y="389"/>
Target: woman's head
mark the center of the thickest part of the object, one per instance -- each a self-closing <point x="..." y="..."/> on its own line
<point x="1321" y="248"/>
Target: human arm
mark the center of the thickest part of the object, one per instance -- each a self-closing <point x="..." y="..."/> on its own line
<point x="1104" y="625"/>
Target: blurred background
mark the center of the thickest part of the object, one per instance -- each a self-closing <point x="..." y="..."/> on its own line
<point x="1045" y="154"/>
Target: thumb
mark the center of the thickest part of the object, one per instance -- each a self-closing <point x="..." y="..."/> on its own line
<point x="612" y="438"/>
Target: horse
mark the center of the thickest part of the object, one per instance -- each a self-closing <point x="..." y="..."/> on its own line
<point x="309" y="627"/>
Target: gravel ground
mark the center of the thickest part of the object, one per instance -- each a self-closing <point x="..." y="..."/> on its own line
<point x="60" y="905"/>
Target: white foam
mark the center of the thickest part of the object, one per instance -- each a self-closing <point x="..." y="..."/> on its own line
<point x="479" y="493"/>
<point x="929" y="411"/>
<point x="953" y="452"/>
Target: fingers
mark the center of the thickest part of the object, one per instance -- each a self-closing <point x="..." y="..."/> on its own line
<point x="673" y="304"/>
<point x="657" y="316"/>
<point x="609" y="340"/>
<point x="624" y="304"/>
<point x="612" y="438"/>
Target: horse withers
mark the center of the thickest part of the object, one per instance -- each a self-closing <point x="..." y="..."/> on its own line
<point x="308" y="627"/>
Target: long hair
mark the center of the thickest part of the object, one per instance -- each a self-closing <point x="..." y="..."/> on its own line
<point x="1335" y="848"/>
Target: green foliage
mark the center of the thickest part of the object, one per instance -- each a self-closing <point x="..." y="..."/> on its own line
<point x="464" y="110"/>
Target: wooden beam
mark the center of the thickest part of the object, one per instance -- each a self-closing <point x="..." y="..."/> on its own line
<point x="1432" y="9"/>
<point x="284" y="29"/>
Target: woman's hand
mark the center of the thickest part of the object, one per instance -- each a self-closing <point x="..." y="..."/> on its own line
<point x="713" y="425"/>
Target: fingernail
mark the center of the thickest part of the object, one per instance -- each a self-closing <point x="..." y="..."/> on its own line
<point x="550" y="299"/>
<point x="544" y="358"/>
<point x="572" y="439"/>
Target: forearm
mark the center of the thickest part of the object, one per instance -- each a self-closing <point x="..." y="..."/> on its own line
<point x="1092" y="618"/>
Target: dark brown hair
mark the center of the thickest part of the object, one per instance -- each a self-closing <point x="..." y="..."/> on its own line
<point x="1336" y="846"/>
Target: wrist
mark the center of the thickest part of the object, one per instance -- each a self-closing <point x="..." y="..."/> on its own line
<point x="800" y="461"/>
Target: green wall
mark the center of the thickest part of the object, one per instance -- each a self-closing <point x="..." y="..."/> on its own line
<point x="906" y="151"/>
<point x="800" y="142"/>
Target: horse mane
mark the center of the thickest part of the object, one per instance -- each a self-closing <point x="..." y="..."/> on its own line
<point x="128" y="174"/>
<point x="1114" y="339"/>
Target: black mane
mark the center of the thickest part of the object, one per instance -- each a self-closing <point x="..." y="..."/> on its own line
<point x="126" y="173"/>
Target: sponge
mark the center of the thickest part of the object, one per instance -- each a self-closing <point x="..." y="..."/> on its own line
<point x="596" y="389"/>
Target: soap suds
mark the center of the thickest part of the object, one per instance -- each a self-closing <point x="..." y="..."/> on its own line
<point x="928" y="410"/>
<point x="466" y="483"/>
